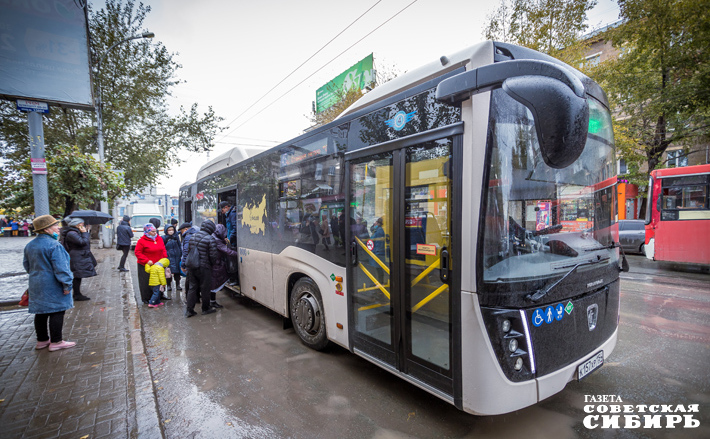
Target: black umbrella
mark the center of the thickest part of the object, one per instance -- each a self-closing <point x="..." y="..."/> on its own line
<point x="91" y="216"/>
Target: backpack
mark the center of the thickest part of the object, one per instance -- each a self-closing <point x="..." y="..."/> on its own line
<point x="193" y="257"/>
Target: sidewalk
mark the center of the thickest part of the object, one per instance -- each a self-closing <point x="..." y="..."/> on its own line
<point x="100" y="388"/>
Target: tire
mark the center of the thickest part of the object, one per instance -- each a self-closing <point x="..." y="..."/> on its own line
<point x="306" y="309"/>
<point x="642" y="249"/>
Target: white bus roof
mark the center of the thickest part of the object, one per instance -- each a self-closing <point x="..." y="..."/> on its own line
<point x="229" y="158"/>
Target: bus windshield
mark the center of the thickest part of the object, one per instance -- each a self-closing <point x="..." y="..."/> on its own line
<point x="541" y="221"/>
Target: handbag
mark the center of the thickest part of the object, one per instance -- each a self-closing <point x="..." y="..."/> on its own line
<point x="118" y="247"/>
<point x="168" y="273"/>
<point x="25" y="300"/>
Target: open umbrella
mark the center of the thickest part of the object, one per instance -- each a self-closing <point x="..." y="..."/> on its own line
<point x="91" y="216"/>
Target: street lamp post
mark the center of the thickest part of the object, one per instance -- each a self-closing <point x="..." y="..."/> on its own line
<point x="105" y="239"/>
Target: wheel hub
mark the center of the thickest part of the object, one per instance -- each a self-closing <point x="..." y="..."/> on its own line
<point x="308" y="314"/>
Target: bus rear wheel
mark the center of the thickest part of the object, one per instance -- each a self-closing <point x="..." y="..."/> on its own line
<point x="307" y="314"/>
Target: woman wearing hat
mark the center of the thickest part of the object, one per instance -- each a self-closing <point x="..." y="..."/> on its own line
<point x="78" y="243"/>
<point x="47" y="263"/>
<point x="150" y="248"/>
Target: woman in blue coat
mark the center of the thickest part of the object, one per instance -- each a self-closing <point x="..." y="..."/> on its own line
<point x="50" y="285"/>
<point x="174" y="248"/>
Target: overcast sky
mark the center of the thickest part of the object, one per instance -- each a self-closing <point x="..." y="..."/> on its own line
<point x="233" y="52"/>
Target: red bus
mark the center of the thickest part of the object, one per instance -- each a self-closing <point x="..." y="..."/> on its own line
<point x="678" y="215"/>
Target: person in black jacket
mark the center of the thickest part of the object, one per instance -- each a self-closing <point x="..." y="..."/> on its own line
<point x="201" y="279"/>
<point x="174" y="249"/>
<point x="82" y="261"/>
<point x="124" y="233"/>
<point x="220" y="274"/>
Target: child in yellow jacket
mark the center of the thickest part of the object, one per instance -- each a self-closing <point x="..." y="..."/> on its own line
<point x="157" y="280"/>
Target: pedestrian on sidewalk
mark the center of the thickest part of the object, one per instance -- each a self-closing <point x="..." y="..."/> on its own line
<point x="124" y="234"/>
<point x="201" y="278"/>
<point x="78" y="243"/>
<point x="220" y="274"/>
<point x="50" y="283"/>
<point x="186" y="232"/>
<point x="172" y="246"/>
<point x="149" y="249"/>
<point x="157" y="281"/>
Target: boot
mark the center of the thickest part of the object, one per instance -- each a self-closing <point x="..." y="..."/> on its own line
<point x="213" y="301"/>
<point x="80" y="297"/>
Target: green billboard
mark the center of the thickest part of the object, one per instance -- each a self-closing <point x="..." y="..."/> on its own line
<point x="358" y="76"/>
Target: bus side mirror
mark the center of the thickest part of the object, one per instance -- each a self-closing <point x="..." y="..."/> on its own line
<point x="561" y="117"/>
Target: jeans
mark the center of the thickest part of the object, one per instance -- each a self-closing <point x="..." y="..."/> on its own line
<point x="56" y="322"/>
<point x="155" y="299"/>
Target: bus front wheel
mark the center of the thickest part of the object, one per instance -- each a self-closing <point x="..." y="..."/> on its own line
<point x="307" y="314"/>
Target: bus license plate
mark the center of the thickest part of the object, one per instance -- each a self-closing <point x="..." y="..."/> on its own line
<point x="590" y="365"/>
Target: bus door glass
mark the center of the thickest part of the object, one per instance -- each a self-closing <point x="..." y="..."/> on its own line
<point x="371" y="187"/>
<point x="400" y="242"/>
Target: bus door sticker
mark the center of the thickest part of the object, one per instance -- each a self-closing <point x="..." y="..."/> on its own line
<point x="370" y="244"/>
<point x="538" y="317"/>
<point x="426" y="249"/>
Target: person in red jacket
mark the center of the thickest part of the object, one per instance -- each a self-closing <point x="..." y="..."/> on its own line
<point x="150" y="248"/>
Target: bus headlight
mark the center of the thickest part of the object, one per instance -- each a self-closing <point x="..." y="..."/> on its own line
<point x="506" y="325"/>
<point x="513" y="345"/>
<point x="508" y="334"/>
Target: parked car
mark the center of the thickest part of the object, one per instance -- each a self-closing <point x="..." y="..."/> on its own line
<point x="632" y="235"/>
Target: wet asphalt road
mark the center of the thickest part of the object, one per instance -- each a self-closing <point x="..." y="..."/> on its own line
<point x="237" y="373"/>
<point x="13" y="278"/>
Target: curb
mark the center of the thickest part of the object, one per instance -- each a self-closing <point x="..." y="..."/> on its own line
<point x="146" y="419"/>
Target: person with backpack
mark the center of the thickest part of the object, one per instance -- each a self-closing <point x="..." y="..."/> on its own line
<point x="124" y="234"/>
<point x="82" y="262"/>
<point x="201" y="256"/>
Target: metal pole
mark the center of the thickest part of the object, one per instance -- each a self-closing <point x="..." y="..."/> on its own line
<point x="39" y="181"/>
<point x="105" y="235"/>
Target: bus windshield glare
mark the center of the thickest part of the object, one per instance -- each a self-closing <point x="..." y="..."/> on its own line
<point x="541" y="221"/>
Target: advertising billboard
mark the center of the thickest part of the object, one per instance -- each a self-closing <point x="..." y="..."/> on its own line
<point x="44" y="52"/>
<point x="358" y="76"/>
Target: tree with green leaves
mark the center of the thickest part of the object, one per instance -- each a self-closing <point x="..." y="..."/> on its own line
<point x="141" y="137"/>
<point x="660" y="84"/>
<point x="554" y="27"/>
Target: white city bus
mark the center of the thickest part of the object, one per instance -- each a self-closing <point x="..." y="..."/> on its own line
<point x="472" y="249"/>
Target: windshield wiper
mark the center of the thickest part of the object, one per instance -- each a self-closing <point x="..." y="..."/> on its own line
<point x="539" y="294"/>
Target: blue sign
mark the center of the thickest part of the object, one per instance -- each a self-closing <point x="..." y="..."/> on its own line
<point x="400" y="120"/>
<point x="549" y="315"/>
<point x="36" y="106"/>
<point x="538" y="317"/>
<point x="559" y="312"/>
